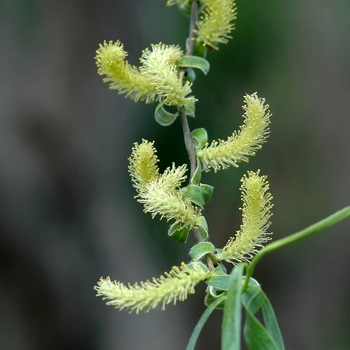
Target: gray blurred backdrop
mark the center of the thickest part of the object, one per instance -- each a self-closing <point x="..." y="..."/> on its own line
<point x="67" y="212"/>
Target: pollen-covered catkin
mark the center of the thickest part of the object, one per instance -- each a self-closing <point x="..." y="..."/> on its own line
<point x="240" y="145"/>
<point x="255" y="220"/>
<point x="110" y="60"/>
<point x="144" y="296"/>
<point x="161" y="193"/>
<point x="143" y="164"/>
<point x="215" y="24"/>
<point x="158" y="65"/>
<point x="161" y="198"/>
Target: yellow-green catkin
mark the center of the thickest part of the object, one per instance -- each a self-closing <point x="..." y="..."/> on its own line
<point x="143" y="164"/>
<point x="161" y="198"/>
<point x="255" y="220"/>
<point x="215" y="24"/>
<point x="238" y="147"/>
<point x="161" y="194"/>
<point x="110" y="60"/>
<point x="159" y="66"/>
<point x="144" y="296"/>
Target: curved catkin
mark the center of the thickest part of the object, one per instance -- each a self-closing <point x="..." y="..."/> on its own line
<point x="240" y="145"/>
<point x="161" y="193"/>
<point x="161" y="199"/>
<point x="144" y="296"/>
<point x="158" y="65"/>
<point x="110" y="60"/>
<point x="255" y="220"/>
<point x="215" y="24"/>
<point x="143" y="164"/>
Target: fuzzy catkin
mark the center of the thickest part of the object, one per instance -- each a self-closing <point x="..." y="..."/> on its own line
<point x="240" y="145"/>
<point x="215" y="24"/>
<point x="158" y="65"/>
<point x="127" y="79"/>
<point x="159" y="292"/>
<point x="143" y="164"/>
<point x="255" y="220"/>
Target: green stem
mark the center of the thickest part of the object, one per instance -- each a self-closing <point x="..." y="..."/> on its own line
<point x="188" y="141"/>
<point x="184" y="121"/>
<point x="193" y="24"/>
<point x="296" y="237"/>
<point x="185" y="127"/>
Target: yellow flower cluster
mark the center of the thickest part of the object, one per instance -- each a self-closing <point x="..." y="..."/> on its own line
<point x="215" y="23"/>
<point x="157" y="79"/>
<point x="158" y="65"/>
<point x="255" y="220"/>
<point x="110" y="60"/>
<point x="143" y="164"/>
<point x="238" y="147"/>
<point x="161" y="193"/>
<point x="175" y="286"/>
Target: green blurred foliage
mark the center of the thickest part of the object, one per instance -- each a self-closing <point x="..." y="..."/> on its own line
<point x="68" y="213"/>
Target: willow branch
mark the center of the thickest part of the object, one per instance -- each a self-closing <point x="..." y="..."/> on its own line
<point x="193" y="21"/>
<point x="296" y="237"/>
<point x="188" y="141"/>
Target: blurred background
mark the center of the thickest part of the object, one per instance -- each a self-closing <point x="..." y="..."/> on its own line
<point x="67" y="212"/>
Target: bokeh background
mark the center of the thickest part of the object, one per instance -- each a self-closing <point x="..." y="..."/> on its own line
<point x="67" y="212"/>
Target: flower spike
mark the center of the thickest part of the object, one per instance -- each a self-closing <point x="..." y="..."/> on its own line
<point x="161" y="198"/>
<point x="238" y="147"/>
<point x="143" y="164"/>
<point x="176" y="285"/>
<point x="158" y="65"/>
<point x="110" y="60"/>
<point x="215" y="24"/>
<point x="255" y="220"/>
<point x="161" y="193"/>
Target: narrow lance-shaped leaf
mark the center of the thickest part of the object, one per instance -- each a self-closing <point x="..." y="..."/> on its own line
<point x="199" y="250"/>
<point x="231" y="326"/>
<point x="194" y="62"/>
<point x="163" y="117"/>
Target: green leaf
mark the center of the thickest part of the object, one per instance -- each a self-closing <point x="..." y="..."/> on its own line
<point x="185" y="8"/>
<point x="202" y="226"/>
<point x="207" y="192"/>
<point x="180" y="234"/>
<point x="199" y="326"/>
<point x="256" y="336"/>
<point x="210" y="299"/>
<point x="200" y="137"/>
<point x="253" y="298"/>
<point x="200" y="50"/>
<point x="220" y="270"/>
<point x="271" y="322"/>
<point x="218" y="278"/>
<point x="164" y="117"/>
<point x="196" y="178"/>
<point x="190" y="108"/>
<point x="194" y="193"/>
<point x="231" y="325"/>
<point x="199" y="250"/>
<point x="219" y="282"/>
<point x="190" y="75"/>
<point x="194" y="62"/>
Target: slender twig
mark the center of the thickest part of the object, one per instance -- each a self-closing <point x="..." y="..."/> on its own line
<point x="184" y="121"/>
<point x="191" y="43"/>
<point x="193" y="25"/>
<point x="188" y="142"/>
<point x="296" y="237"/>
